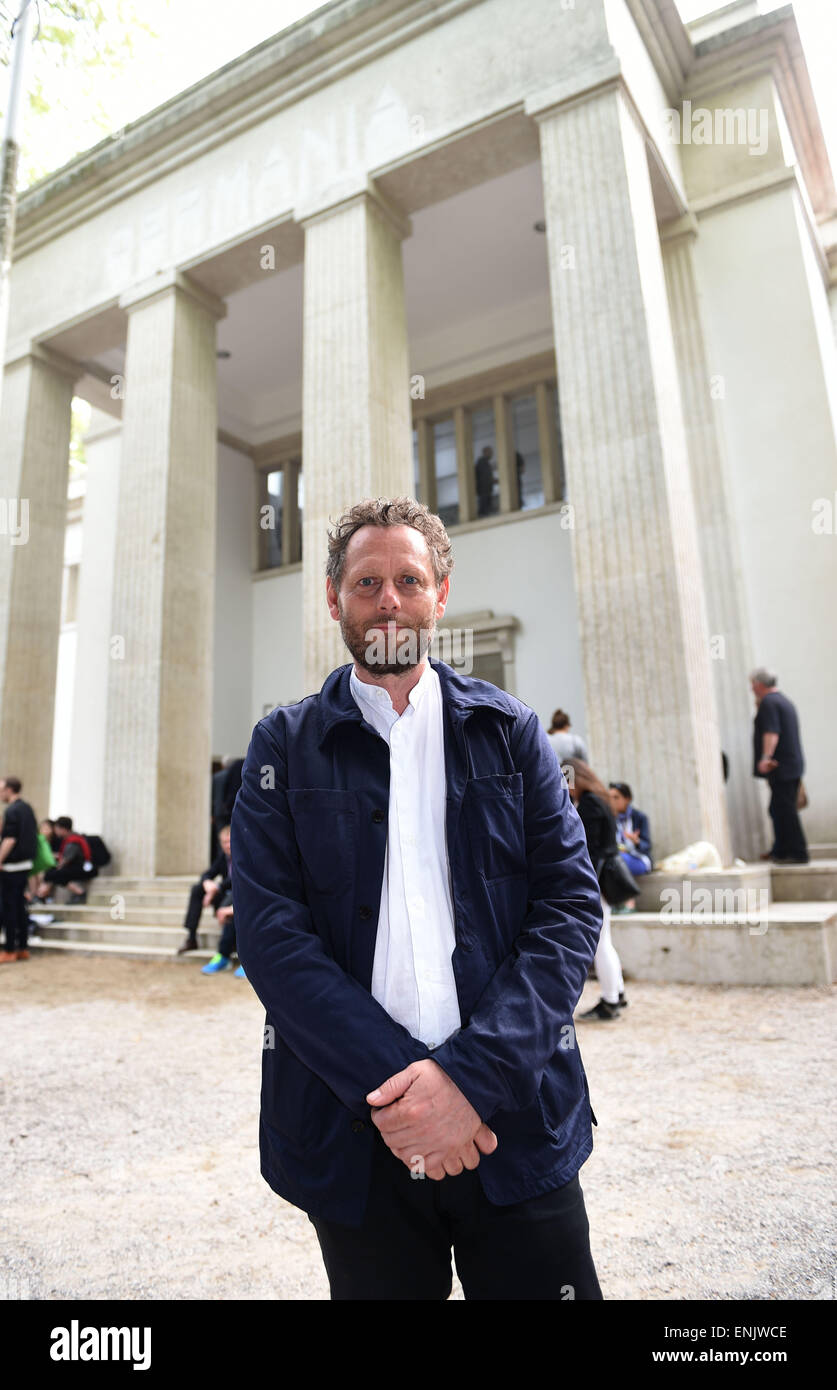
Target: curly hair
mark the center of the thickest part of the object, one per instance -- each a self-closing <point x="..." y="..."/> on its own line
<point x="395" y="511"/>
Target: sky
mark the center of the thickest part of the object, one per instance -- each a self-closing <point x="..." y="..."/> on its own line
<point x="192" y="38"/>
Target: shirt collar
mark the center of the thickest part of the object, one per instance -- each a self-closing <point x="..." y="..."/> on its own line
<point x="373" y="695"/>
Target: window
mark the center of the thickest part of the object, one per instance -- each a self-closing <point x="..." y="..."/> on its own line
<point x="484" y="443"/>
<point x="280" y="499"/>
<point x="491" y="444"/>
<point x="527" y="450"/>
<point x="447" y="477"/>
<point x="271" y="521"/>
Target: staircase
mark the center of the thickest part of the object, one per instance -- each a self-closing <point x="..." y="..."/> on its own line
<point x="774" y="925"/>
<point x="140" y="917"/>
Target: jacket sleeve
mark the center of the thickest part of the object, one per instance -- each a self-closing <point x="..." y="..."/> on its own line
<point x="327" y="1018"/>
<point x="644" y="842"/>
<point x="497" y="1060"/>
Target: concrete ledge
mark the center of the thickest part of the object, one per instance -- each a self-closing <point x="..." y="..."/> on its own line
<point x="116" y="936"/>
<point x="732" y="890"/>
<point x="795" y="883"/>
<point x="794" y="944"/>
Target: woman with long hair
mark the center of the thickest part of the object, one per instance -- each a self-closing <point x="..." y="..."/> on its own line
<point x="592" y="801"/>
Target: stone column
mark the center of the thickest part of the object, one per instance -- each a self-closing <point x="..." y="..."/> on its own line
<point x="34" y="463"/>
<point x="725" y="600"/>
<point x="102" y="446"/>
<point x="356" y="428"/>
<point x="650" y="702"/>
<point x="158" y="745"/>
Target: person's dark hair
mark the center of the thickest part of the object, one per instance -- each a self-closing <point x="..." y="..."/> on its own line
<point x="14" y="784"/>
<point x="560" y="720"/>
<point x="585" y="780"/>
<point x="65" y="822"/>
<point x="623" y="789"/>
<point x="396" y="511"/>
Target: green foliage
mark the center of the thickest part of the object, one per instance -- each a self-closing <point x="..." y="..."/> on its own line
<point x="74" y="42"/>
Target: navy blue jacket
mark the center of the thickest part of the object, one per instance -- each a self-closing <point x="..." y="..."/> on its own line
<point x="309" y="833"/>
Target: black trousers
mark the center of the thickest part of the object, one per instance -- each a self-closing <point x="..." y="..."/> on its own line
<point x="13" y="908"/>
<point x="538" y="1249"/>
<point x="788" y="836"/>
<point x="192" y="919"/>
<point x="227" y="943"/>
<point x="74" y="872"/>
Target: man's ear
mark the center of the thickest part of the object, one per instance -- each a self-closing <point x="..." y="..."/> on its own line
<point x="441" y="601"/>
<point x="331" y="599"/>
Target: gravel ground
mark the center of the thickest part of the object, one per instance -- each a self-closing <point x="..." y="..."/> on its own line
<point x="130" y="1162"/>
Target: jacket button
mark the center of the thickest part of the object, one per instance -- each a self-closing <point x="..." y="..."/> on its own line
<point x="377" y="816"/>
<point x="358" y="1126"/>
<point x="365" y="912"/>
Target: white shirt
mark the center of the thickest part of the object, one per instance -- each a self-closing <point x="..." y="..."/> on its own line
<point x="412" y="974"/>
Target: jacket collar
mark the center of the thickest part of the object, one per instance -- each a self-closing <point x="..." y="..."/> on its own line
<point x="461" y="695"/>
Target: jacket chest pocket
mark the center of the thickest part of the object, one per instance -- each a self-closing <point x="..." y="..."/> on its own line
<point x="325" y="829"/>
<point x="493" y="818"/>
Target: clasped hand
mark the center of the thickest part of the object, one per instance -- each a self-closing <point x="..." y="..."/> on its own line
<point x="422" y="1114"/>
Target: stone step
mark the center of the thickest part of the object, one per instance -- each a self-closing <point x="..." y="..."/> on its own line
<point x="789" y="943"/>
<point x="171" y="883"/>
<point x="130" y="916"/>
<point x="96" y="898"/>
<point x="124" y="934"/>
<point x="731" y="890"/>
<point x="812" y="882"/>
<point x="124" y="950"/>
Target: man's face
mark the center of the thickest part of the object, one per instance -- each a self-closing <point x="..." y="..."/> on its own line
<point x="5" y="794"/>
<point x="758" y="690"/>
<point x="618" y="802"/>
<point x="388" y="603"/>
<point x="224" y="839"/>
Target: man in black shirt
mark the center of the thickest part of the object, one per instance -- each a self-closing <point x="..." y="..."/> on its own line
<point x="777" y="755"/>
<point x="18" y="846"/>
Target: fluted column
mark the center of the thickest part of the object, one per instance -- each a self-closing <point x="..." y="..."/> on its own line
<point x="158" y="750"/>
<point x="725" y="599"/>
<point x="356" y="433"/>
<point x="102" y="445"/>
<point x="650" y="702"/>
<point x="34" y="461"/>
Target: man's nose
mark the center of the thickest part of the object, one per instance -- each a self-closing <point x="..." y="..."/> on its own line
<point x="388" y="599"/>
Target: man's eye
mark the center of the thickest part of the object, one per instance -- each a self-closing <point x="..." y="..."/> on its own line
<point x="367" y="581"/>
<point x="410" y="579"/>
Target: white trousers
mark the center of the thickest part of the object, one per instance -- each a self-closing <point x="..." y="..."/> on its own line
<point x="608" y="965"/>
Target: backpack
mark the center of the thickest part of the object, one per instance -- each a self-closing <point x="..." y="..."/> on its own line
<point x="99" y="852"/>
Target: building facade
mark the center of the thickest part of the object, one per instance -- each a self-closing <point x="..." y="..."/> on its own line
<point x="585" y="236"/>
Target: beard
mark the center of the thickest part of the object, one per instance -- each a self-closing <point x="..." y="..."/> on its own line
<point x="387" y="653"/>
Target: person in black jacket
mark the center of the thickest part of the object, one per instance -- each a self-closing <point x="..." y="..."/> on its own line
<point x="778" y="756"/>
<point x="592" y="801"/>
<point x="18" y="846"/>
<point x="211" y="887"/>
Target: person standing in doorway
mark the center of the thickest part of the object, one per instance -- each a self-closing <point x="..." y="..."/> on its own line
<point x="484" y="470"/>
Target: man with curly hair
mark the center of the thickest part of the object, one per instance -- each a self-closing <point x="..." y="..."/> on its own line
<point x="417" y="911"/>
